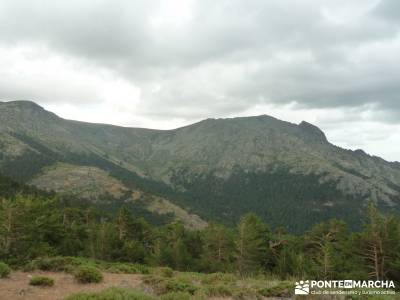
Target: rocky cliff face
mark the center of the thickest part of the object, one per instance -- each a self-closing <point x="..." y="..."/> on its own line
<point x="197" y="166"/>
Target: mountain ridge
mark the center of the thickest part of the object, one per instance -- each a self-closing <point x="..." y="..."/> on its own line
<point x="260" y="150"/>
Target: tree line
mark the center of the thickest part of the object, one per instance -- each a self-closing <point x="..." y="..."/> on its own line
<point x="34" y="226"/>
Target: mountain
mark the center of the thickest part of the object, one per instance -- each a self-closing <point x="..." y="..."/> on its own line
<point x="217" y="169"/>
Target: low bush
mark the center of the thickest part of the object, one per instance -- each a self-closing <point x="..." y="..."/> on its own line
<point x="88" y="274"/>
<point x="176" y="296"/>
<point x="163" y="285"/>
<point x="4" y="270"/>
<point x="122" y="269"/>
<point x="142" y="269"/>
<point x="215" y="278"/>
<point x="283" y="289"/>
<point x="178" y="286"/>
<point x="219" y="290"/>
<point x="112" y="294"/>
<point x="70" y="264"/>
<point x="56" y="264"/>
<point x="41" y="281"/>
<point x="126" y="268"/>
<point x="166" y="272"/>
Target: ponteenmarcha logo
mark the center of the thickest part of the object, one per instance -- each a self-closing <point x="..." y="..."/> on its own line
<point x="302" y="288"/>
<point x="350" y="287"/>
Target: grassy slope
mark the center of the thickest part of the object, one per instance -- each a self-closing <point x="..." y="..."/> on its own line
<point x="137" y="282"/>
<point x="165" y="283"/>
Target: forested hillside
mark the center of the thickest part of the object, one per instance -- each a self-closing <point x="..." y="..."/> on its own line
<point x="214" y="170"/>
<point x="34" y="225"/>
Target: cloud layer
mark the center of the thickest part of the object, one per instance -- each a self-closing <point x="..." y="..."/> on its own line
<point x="168" y="63"/>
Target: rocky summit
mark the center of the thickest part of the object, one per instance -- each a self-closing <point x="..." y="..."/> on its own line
<point x="213" y="170"/>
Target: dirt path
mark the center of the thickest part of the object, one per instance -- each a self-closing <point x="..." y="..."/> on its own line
<point x="17" y="285"/>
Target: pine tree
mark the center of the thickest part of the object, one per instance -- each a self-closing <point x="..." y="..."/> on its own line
<point x="379" y="243"/>
<point x="218" y="248"/>
<point x="322" y="244"/>
<point x="11" y="228"/>
<point x="251" y="245"/>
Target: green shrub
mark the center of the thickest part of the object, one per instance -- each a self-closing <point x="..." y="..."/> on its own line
<point x="245" y="293"/>
<point x="112" y="294"/>
<point x="122" y="269"/>
<point x="88" y="274"/>
<point x="158" y="283"/>
<point x="218" y="278"/>
<point x="179" y="286"/>
<point x="28" y="267"/>
<point x="70" y="264"/>
<point x="143" y="269"/>
<point x="166" y="272"/>
<point x="162" y="285"/>
<point x="41" y="281"/>
<point x="126" y="268"/>
<point x="283" y="289"/>
<point x="50" y="263"/>
<point x="218" y="290"/>
<point x="176" y="296"/>
<point x="4" y="270"/>
<point x="56" y="264"/>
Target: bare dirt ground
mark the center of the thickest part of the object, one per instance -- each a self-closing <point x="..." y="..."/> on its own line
<point x="17" y="285"/>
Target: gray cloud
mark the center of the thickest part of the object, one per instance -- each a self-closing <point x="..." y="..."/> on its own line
<point x="194" y="59"/>
<point x="389" y="10"/>
<point x="121" y="36"/>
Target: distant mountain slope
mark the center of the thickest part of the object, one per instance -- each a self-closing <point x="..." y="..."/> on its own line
<point x="10" y="188"/>
<point x="289" y="174"/>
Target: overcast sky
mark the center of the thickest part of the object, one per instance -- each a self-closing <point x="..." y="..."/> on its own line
<point x="164" y="64"/>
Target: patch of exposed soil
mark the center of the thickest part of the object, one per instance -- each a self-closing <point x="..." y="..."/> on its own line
<point x="87" y="182"/>
<point x="17" y="285"/>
